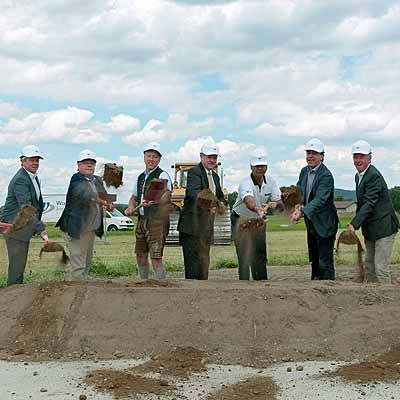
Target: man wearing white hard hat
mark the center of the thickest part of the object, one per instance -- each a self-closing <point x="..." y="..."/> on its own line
<point x="153" y="222"/>
<point x="24" y="188"/>
<point x="82" y="218"/>
<point x="196" y="224"/>
<point x="375" y="214"/>
<point x="255" y="192"/>
<point x="319" y="211"/>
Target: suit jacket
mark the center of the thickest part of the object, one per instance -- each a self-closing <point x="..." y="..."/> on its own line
<point x="375" y="213"/>
<point x="320" y="210"/>
<point x="193" y="219"/>
<point x="20" y="192"/>
<point x="79" y="204"/>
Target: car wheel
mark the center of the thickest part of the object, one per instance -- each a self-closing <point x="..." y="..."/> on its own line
<point x="112" y="228"/>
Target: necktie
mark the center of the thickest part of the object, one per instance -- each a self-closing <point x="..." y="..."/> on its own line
<point x="36" y="185"/>
<point x="310" y="181"/>
<point x="211" y="184"/>
<point x="357" y="183"/>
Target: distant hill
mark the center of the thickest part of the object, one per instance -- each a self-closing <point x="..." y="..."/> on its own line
<point x="345" y="194"/>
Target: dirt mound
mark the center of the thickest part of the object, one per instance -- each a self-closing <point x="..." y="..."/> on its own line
<point x="123" y="383"/>
<point x="247" y="323"/>
<point x="385" y="368"/>
<point x="178" y="362"/>
<point x="251" y="389"/>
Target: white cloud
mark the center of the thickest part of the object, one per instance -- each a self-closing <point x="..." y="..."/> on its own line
<point x="8" y="110"/>
<point x="176" y="126"/>
<point x="67" y="125"/>
<point x="392" y="129"/>
<point x="122" y="124"/>
<point x="367" y="28"/>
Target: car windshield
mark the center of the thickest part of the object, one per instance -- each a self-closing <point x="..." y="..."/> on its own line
<point x="116" y="213"/>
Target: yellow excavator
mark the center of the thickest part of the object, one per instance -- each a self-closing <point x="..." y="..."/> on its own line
<point x="222" y="223"/>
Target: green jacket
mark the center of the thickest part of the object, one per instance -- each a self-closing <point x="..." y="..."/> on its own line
<point x="320" y="210"/>
<point x="142" y="186"/>
<point x="375" y="213"/>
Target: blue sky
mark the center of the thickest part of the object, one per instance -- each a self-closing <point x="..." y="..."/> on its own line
<point x="114" y="75"/>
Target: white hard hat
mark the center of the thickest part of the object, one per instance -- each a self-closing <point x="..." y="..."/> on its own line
<point x="153" y="146"/>
<point x="361" y="147"/>
<point x="209" y="149"/>
<point x="315" y="145"/>
<point x="31" y="151"/>
<point x="86" y="155"/>
<point x="258" y="157"/>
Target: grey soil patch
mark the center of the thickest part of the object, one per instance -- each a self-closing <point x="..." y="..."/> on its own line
<point x="180" y="362"/>
<point x="385" y="368"/>
<point x="261" y="387"/>
<point x="123" y="383"/>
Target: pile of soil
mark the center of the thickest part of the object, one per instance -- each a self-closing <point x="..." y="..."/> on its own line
<point x="123" y="383"/>
<point x="179" y="362"/>
<point x="252" y="389"/>
<point x="385" y="368"/>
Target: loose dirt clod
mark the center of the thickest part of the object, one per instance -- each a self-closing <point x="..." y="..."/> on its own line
<point x="53" y="247"/>
<point x="351" y="238"/>
<point x="24" y="217"/>
<point x="113" y="174"/>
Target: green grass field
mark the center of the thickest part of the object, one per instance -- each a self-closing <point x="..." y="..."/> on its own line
<point x="114" y="254"/>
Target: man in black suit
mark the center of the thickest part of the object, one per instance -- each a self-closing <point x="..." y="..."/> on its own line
<point x="319" y="212"/>
<point x="24" y="188"/>
<point x="196" y="224"/>
<point x="375" y="214"/>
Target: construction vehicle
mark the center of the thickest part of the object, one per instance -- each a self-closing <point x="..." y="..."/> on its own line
<point x="222" y="223"/>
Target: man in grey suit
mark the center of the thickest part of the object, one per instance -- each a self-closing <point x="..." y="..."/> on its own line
<point x="24" y="188"/>
<point x="375" y="214"/>
<point x="319" y="212"/>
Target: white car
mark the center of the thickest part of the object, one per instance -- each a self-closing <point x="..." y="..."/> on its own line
<point x="116" y="221"/>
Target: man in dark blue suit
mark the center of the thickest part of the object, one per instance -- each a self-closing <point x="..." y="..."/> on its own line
<point x="82" y="218"/>
<point x="319" y="212"/>
<point x="24" y="188"/>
